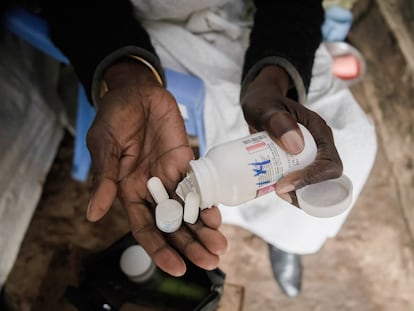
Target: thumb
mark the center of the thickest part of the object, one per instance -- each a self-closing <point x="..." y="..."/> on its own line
<point x="105" y="154"/>
<point x="284" y="130"/>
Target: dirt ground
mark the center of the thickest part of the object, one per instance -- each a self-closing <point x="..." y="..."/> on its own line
<point x="368" y="266"/>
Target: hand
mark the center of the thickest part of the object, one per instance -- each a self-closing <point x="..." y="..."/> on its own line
<point x="138" y="133"/>
<point x="266" y="107"/>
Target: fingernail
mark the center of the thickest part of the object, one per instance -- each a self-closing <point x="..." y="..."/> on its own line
<point x="284" y="188"/>
<point x="88" y="210"/>
<point x="292" y="141"/>
<point x="285" y="196"/>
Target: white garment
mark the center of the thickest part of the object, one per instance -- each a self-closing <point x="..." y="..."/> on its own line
<point x="287" y="227"/>
<point x="216" y="60"/>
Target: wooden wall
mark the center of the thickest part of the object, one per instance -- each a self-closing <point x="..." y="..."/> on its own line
<point x="384" y="32"/>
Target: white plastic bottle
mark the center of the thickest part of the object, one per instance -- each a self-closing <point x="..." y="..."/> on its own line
<point x="243" y="169"/>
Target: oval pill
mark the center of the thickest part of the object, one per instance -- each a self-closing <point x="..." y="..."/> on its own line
<point x="191" y="207"/>
<point x="157" y="189"/>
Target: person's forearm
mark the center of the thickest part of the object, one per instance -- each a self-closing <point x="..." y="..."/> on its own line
<point x="88" y="32"/>
<point x="287" y="31"/>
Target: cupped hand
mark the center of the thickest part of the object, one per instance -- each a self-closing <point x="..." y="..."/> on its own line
<point x="266" y="107"/>
<point x="138" y="132"/>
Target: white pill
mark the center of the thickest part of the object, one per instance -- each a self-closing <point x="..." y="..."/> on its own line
<point x="191" y="207"/>
<point x="168" y="215"/>
<point x="157" y="189"/>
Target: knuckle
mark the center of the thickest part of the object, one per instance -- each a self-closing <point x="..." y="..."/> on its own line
<point x="333" y="169"/>
<point x="322" y="170"/>
<point x="138" y="230"/>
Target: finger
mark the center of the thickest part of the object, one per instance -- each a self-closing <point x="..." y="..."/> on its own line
<point x="153" y="241"/>
<point x="327" y="164"/>
<point x="314" y="173"/>
<point x="318" y="171"/>
<point x="289" y="197"/>
<point x="173" y="167"/>
<point x="101" y="199"/>
<point x="188" y="245"/>
<point x="211" y="217"/>
<point x="211" y="239"/>
<point x="284" y="130"/>
<point x="105" y="165"/>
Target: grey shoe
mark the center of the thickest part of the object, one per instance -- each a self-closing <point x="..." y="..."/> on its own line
<point x="287" y="270"/>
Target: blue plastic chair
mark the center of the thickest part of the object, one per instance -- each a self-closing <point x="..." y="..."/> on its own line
<point x="188" y="90"/>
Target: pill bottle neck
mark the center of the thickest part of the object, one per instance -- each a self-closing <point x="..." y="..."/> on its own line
<point x="204" y="178"/>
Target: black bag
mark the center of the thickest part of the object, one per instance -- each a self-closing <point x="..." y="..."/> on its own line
<point x="103" y="285"/>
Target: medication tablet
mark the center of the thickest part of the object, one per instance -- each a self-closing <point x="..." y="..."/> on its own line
<point x="191" y="207"/>
<point x="168" y="215"/>
<point x="157" y="189"/>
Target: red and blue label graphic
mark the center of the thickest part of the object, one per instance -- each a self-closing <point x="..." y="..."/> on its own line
<point x="265" y="163"/>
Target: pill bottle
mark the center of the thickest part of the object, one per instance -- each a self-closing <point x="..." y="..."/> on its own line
<point x="136" y="264"/>
<point x="244" y="169"/>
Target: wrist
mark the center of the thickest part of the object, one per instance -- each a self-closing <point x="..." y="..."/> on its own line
<point x="129" y="71"/>
<point x="275" y="77"/>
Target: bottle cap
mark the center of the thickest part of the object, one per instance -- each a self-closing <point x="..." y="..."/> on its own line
<point x="326" y="199"/>
<point x="191" y="207"/>
<point x="168" y="215"/>
<point x="136" y="264"/>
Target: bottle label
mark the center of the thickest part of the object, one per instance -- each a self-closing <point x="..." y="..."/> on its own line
<point x="266" y="162"/>
<point x="265" y="190"/>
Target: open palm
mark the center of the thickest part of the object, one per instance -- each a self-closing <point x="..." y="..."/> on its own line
<point x="138" y="133"/>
